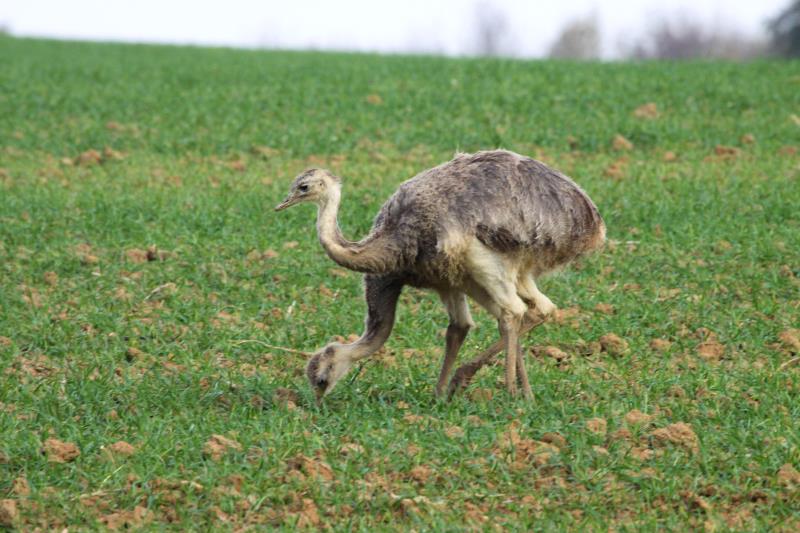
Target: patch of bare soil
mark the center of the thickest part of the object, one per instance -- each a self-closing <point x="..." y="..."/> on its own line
<point x="454" y="432"/>
<point x="351" y="448"/>
<point x="310" y="467"/>
<point x="637" y="418"/>
<point x="788" y="476"/>
<point x="620" y="143"/>
<point x="136" y="255"/>
<point x="598" y="426"/>
<point x="60" y="452"/>
<point x="726" y="152"/>
<point x="218" y="445"/>
<point x="127" y="519"/>
<point x="121" y="448"/>
<point x="646" y="111"/>
<point x="790" y="339"/>
<point x="523" y="452"/>
<point x="606" y="309"/>
<point x="8" y="512"/>
<point x="679" y="433"/>
<point x="660" y="345"/>
<point x="421" y="474"/>
<point x="21" y="487"/>
<point x="669" y="156"/>
<point x="710" y="350"/>
<point x="613" y="344"/>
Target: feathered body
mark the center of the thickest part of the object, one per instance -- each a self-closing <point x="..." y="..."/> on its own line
<point x="513" y="205"/>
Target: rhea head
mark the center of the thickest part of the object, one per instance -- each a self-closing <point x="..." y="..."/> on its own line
<point x="328" y="366"/>
<point x="314" y="185"/>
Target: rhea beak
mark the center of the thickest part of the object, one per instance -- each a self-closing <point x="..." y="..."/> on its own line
<point x="289" y="201"/>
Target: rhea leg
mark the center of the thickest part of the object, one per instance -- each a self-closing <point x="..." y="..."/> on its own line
<point x="522" y="373"/>
<point x="527" y="290"/>
<point x="509" y="325"/>
<point x="464" y="374"/>
<point x="457" y="329"/>
<point x="493" y="286"/>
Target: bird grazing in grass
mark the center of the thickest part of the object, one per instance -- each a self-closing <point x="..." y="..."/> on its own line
<point x="484" y="225"/>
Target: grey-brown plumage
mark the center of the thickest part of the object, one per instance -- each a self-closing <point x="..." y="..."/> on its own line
<point x="484" y="225"/>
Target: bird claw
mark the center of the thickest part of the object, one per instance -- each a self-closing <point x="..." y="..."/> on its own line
<point x="460" y="381"/>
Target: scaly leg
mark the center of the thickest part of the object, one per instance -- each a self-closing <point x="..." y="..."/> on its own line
<point x="460" y="324"/>
<point x="464" y="374"/>
<point x="522" y="373"/>
<point x="509" y="331"/>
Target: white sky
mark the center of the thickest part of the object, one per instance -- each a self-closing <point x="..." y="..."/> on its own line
<point x="441" y="26"/>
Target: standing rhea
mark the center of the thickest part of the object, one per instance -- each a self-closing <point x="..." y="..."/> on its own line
<point x="483" y="225"/>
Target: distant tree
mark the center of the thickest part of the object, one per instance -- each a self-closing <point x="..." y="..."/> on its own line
<point x="580" y="39"/>
<point x="492" y="31"/>
<point x="785" y="30"/>
<point x="681" y="38"/>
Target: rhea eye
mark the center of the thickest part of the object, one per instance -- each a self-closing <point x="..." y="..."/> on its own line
<point x="303" y="188"/>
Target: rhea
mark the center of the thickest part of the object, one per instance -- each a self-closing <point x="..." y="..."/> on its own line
<point x="484" y="225"/>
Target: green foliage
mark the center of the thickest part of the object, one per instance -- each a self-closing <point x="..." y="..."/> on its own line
<point x="130" y="275"/>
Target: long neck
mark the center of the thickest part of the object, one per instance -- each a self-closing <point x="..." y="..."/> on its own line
<point x="381" y="293"/>
<point x="370" y="255"/>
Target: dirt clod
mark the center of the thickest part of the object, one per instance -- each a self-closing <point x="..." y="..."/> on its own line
<point x="136" y="255"/>
<point x="679" y="433"/>
<point x="133" y="353"/>
<point x="788" y="476"/>
<point x="660" y="345"/>
<point x="311" y="467"/>
<point x="613" y="344"/>
<point x="648" y="111"/>
<point x="710" y="350"/>
<point x="351" y="448"/>
<point x="636" y="417"/>
<point x="60" y="452"/>
<point x="556" y="353"/>
<point x="606" y="309"/>
<point x="454" y="432"/>
<point x="598" y="426"/>
<point x="126" y="519"/>
<point x="726" y="152"/>
<point x="21" y="487"/>
<point x="641" y="454"/>
<point x="218" y="445"/>
<point x="51" y="278"/>
<point x="556" y="439"/>
<point x="790" y="339"/>
<point x="122" y="448"/>
<point x="421" y="474"/>
<point x="8" y="512"/>
<point x="620" y="144"/>
<point x="89" y="158"/>
<point x="308" y="515"/>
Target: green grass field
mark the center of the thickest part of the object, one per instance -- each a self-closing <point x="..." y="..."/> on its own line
<point x="138" y="249"/>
